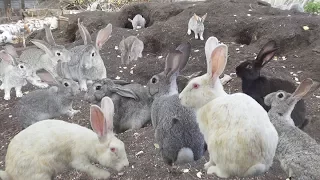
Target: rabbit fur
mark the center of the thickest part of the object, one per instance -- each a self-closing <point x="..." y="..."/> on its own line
<point x="47" y="55"/>
<point x="51" y="146"/>
<point x="176" y="129"/>
<point x="138" y="22"/>
<point x="241" y="139"/>
<point x="131" y="49"/>
<point x="258" y="86"/>
<point x="48" y="103"/>
<point x="13" y="73"/>
<point x="86" y="64"/>
<point x="196" y="25"/>
<point x="298" y="153"/>
<point x="132" y="103"/>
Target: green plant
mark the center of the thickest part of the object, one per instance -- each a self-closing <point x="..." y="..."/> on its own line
<point x="312" y="7"/>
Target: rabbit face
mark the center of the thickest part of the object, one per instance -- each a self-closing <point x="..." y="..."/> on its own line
<point x="91" y="57"/>
<point x="70" y="87"/>
<point x="23" y="69"/>
<point x="158" y="85"/>
<point x="111" y="153"/>
<point x="62" y="54"/>
<point x="248" y="70"/>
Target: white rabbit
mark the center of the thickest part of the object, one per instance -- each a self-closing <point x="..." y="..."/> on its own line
<point x="241" y="139"/>
<point x="138" y="22"/>
<point x="51" y="146"/>
<point x="196" y="25"/>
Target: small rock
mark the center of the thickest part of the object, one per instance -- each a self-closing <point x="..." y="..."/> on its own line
<point x="117" y="78"/>
<point x="250" y="10"/>
<point x="234" y="15"/>
<point x="121" y="71"/>
<point x="306" y="28"/>
<point x="124" y="67"/>
<point x="299" y="72"/>
<point x="237" y="49"/>
<point x="263" y="3"/>
<point x="131" y="80"/>
<point x="138" y="153"/>
<point x="242" y="45"/>
<point x="156" y="145"/>
<point x="121" y="173"/>
<point x="318" y="97"/>
<point x="197" y="50"/>
<point x="116" y="48"/>
<point x="260" y="17"/>
<point x="120" y="67"/>
<point x="131" y="72"/>
<point x="298" y="82"/>
<point x="159" y="57"/>
<point x="294" y="74"/>
<point x="248" y="14"/>
<point x="284" y="58"/>
<point x="132" y="166"/>
<point x="118" y="56"/>
<point x="296" y="79"/>
<point x="185" y="170"/>
<point x="283" y="67"/>
<point x="10" y="116"/>
<point x="199" y="174"/>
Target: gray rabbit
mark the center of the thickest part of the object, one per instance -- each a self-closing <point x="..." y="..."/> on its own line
<point x="47" y="55"/>
<point x="138" y="22"/>
<point x="196" y="25"/>
<point x="48" y="103"/>
<point x="131" y="48"/>
<point x="132" y="102"/>
<point x="298" y="153"/>
<point x="86" y="64"/>
<point x="176" y="129"/>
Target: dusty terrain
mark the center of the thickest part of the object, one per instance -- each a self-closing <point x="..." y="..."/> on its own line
<point x="233" y="22"/>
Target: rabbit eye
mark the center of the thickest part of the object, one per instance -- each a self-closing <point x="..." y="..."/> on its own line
<point x="195" y="86"/>
<point x="92" y="54"/>
<point x="21" y="66"/>
<point x="66" y="84"/>
<point x="58" y="53"/>
<point x="280" y="95"/>
<point x="113" y="149"/>
<point x="153" y="80"/>
<point x="98" y="87"/>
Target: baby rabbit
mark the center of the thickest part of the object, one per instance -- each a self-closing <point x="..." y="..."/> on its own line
<point x="138" y="22"/>
<point x="47" y="55"/>
<point x="86" y="64"/>
<point x="196" y="25"/>
<point x="43" y="104"/>
<point x="258" y="86"/>
<point x="298" y="153"/>
<point x="49" y="147"/>
<point x="176" y="129"/>
<point x="131" y="48"/>
<point x="13" y="74"/>
<point x="132" y="103"/>
<point x="241" y="139"/>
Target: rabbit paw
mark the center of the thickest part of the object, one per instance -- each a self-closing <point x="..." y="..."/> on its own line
<point x="6" y="98"/>
<point x="19" y="94"/>
<point x="196" y="36"/>
<point x="215" y="170"/>
<point x="201" y="37"/>
<point x="189" y="31"/>
<point x="102" y="175"/>
<point x="207" y="165"/>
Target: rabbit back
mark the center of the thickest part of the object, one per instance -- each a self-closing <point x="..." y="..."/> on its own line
<point x="33" y="56"/>
<point x="176" y="128"/>
<point x="237" y="136"/>
<point x="56" y="140"/>
<point x="41" y="104"/>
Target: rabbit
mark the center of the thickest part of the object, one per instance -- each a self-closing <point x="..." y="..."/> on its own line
<point x="86" y="64"/>
<point x="176" y="129"/>
<point x="49" y="147"/>
<point x="132" y="103"/>
<point x="46" y="55"/>
<point x="138" y="22"/>
<point x="241" y="139"/>
<point x="196" y="25"/>
<point x="258" y="86"/>
<point x="298" y="153"/>
<point x="43" y="104"/>
<point x="13" y="73"/>
<point x="131" y="49"/>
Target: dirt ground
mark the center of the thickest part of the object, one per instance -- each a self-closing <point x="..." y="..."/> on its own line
<point x="243" y="25"/>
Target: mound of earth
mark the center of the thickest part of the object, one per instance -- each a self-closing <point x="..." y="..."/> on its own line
<point x="245" y="26"/>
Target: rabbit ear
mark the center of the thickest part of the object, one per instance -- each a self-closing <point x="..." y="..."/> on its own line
<point x="218" y="61"/>
<point x="210" y="45"/>
<point x="195" y="16"/>
<point x="305" y="88"/>
<point x="103" y="36"/>
<point x="43" y="45"/>
<point x="84" y="33"/>
<point x="107" y="107"/>
<point x="11" y="50"/>
<point x="97" y="120"/>
<point x="47" y="77"/>
<point x="185" y="49"/>
<point x="7" y="57"/>
<point x="204" y="17"/>
<point x="266" y="54"/>
<point x="49" y="35"/>
<point x="130" y="20"/>
<point x="124" y="92"/>
<point x="172" y="63"/>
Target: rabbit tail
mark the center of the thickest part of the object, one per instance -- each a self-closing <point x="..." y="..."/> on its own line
<point x="4" y="175"/>
<point x="185" y="155"/>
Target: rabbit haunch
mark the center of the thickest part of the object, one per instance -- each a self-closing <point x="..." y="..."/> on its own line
<point x="131" y="49"/>
<point x="258" y="86"/>
<point x="49" y="103"/>
<point x="86" y="64"/>
<point x="176" y="129"/>
<point x="49" y="147"/>
<point x="241" y="139"/>
<point x="298" y="153"/>
<point x="15" y="74"/>
<point x="132" y="102"/>
<point x="138" y="22"/>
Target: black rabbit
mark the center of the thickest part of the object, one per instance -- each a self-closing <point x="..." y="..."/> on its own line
<point x="257" y="86"/>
